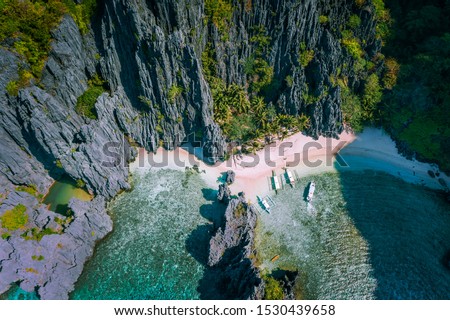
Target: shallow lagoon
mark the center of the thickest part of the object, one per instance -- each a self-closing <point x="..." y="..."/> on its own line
<point x="368" y="235"/>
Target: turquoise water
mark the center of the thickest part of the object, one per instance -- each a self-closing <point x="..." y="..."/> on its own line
<point x="156" y="248"/>
<point x="368" y="235"/>
<point x="16" y="293"/>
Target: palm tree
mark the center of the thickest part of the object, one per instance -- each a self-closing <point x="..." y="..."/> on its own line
<point x="258" y="104"/>
<point x="303" y="122"/>
<point x="239" y="99"/>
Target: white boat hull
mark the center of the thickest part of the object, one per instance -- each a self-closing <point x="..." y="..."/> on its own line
<point x="312" y="189"/>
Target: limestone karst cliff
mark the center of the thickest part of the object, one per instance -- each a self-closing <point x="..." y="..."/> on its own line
<point x="149" y="53"/>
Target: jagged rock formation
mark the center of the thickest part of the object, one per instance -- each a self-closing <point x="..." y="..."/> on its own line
<point x="231" y="176"/>
<point x="145" y="50"/>
<point x="232" y="274"/>
<point x="41" y="128"/>
<point x="291" y="24"/>
<point x="50" y="266"/>
<point x="224" y="193"/>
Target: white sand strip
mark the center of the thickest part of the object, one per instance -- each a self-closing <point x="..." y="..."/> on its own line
<point x="370" y="150"/>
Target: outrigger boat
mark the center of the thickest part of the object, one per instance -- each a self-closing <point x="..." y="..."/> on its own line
<point x="275" y="181"/>
<point x="289" y="178"/>
<point x="264" y="203"/>
<point x="312" y="188"/>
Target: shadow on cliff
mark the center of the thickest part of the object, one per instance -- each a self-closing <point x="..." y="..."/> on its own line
<point x="228" y="281"/>
<point x="125" y="44"/>
<point x="42" y="156"/>
<point x="398" y="220"/>
<point x="197" y="243"/>
<point x="217" y="284"/>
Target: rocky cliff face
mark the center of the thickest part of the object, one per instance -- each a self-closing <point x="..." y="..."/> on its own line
<point x="232" y="273"/>
<point x="145" y="50"/>
<point x="291" y="25"/>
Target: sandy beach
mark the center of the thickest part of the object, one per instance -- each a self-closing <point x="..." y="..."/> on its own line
<point x="369" y="150"/>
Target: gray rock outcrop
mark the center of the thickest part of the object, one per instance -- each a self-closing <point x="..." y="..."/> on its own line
<point x="230" y="177"/>
<point x="50" y="262"/>
<point x="231" y="255"/>
<point x="150" y="55"/>
<point x="224" y="193"/>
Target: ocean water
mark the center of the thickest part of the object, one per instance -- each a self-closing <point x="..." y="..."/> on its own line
<point x="158" y="245"/>
<point x="367" y="235"/>
<point x="16" y="293"/>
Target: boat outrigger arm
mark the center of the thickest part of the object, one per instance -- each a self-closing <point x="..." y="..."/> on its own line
<point x="265" y="204"/>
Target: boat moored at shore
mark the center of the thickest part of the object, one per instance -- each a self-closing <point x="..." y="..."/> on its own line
<point x="290" y="178"/>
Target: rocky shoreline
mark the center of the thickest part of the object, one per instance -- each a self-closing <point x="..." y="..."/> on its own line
<point x="232" y="271"/>
<point x="48" y="253"/>
<point x="142" y="51"/>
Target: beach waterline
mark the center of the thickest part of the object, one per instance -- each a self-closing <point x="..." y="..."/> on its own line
<point x="331" y="250"/>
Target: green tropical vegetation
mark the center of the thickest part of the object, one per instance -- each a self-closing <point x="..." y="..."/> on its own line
<point x="305" y="56"/>
<point x="219" y="12"/>
<point x="352" y="44"/>
<point x="243" y="114"/>
<point x="14" y="219"/>
<point x="323" y="19"/>
<point x="174" y="92"/>
<point x="81" y="12"/>
<point x="30" y="189"/>
<point x="86" y="102"/>
<point x="354" y="21"/>
<point x="258" y="71"/>
<point x="28" y="24"/>
<point x="80" y="184"/>
<point x="361" y="106"/>
<point x="241" y="111"/>
<point x="37" y="234"/>
<point x="6" y="236"/>
<point x="417" y="110"/>
<point x="273" y="289"/>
